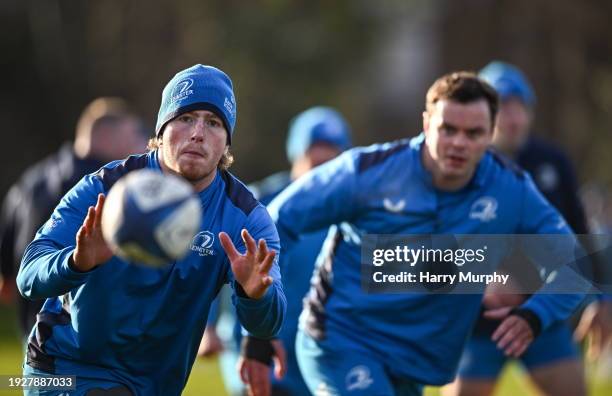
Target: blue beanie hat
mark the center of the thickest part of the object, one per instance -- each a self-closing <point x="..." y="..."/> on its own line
<point x="198" y="88"/>
<point x="509" y="82"/>
<point x="317" y="125"/>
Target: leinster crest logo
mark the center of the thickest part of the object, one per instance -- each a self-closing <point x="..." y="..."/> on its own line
<point x="484" y="209"/>
<point x="202" y="243"/>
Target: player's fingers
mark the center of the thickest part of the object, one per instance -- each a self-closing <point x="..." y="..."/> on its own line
<point x="80" y="236"/>
<point x="501" y="329"/>
<point x="266" y="265"/>
<point x="595" y="347"/>
<point x="497" y="313"/>
<point x="89" y="220"/>
<point x="518" y="347"/>
<point x="279" y="368"/>
<point x="228" y="246"/>
<point x="266" y="281"/>
<point x="508" y="337"/>
<point x="98" y="211"/>
<point x="249" y="242"/>
<point x="582" y="329"/>
<point x="262" y="250"/>
<point x="258" y="379"/>
<point x="254" y="386"/>
<point x="280" y="359"/>
<point x="241" y="366"/>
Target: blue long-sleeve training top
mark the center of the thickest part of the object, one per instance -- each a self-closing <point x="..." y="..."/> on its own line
<point x="134" y="325"/>
<point x="384" y="189"/>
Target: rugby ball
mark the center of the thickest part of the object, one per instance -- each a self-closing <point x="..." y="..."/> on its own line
<point x="150" y="218"/>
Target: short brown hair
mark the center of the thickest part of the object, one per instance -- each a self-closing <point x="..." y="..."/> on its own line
<point x="463" y="87"/>
<point x="227" y="159"/>
<point x="102" y="111"/>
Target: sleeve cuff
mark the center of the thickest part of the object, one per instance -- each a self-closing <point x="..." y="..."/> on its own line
<point x="68" y="272"/>
<point x="250" y="303"/>
<point x="258" y="349"/>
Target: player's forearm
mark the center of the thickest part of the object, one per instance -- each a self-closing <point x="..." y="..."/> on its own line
<point x="45" y="271"/>
<point x="263" y="317"/>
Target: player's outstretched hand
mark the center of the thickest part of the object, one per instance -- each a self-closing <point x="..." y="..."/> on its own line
<point x="211" y="345"/>
<point x="256" y="375"/>
<point x="596" y="322"/>
<point x="513" y="335"/>
<point x="251" y="269"/>
<point x="91" y="249"/>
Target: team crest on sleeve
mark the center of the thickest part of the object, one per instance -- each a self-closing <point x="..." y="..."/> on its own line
<point x="202" y="243"/>
<point x="53" y="222"/>
<point x="484" y="209"/>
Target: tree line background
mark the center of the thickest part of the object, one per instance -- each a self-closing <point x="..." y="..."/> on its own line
<point x="373" y="60"/>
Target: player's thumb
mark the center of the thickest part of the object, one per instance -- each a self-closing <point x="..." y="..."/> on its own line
<point x="497" y="313"/>
<point x="582" y="329"/>
<point x="586" y="322"/>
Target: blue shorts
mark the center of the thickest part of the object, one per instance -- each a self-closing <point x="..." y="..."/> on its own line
<point x="83" y="385"/>
<point x="347" y="372"/>
<point x="482" y="359"/>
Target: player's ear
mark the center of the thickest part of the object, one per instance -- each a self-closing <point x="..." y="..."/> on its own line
<point x="425" y="121"/>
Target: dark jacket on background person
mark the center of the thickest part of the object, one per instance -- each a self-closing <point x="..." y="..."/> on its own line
<point x="27" y="205"/>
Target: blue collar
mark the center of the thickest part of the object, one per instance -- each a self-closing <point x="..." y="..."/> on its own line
<point x="213" y="186"/>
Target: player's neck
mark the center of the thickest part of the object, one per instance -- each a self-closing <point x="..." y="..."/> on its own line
<point x="445" y="183"/>
<point x="442" y="181"/>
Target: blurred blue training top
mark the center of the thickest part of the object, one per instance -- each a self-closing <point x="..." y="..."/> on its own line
<point x="384" y="189"/>
<point x="133" y="325"/>
<point x="297" y="265"/>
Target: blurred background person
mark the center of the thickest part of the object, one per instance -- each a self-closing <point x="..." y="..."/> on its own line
<point x="595" y="325"/>
<point x="552" y="360"/>
<point x="315" y="136"/>
<point x="106" y="130"/>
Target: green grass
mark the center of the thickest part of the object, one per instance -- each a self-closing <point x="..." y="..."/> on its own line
<point x="205" y="377"/>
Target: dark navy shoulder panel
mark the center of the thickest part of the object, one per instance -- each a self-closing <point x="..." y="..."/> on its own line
<point x="110" y="174"/>
<point x="507" y="163"/>
<point x="369" y="159"/>
<point x="238" y="193"/>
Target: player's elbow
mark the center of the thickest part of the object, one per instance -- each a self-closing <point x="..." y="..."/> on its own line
<point x="24" y="285"/>
<point x="26" y="277"/>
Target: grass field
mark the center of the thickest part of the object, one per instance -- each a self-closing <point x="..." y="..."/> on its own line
<point x="205" y="378"/>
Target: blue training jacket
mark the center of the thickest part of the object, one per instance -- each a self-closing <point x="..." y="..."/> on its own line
<point x="134" y="325"/>
<point x="296" y="266"/>
<point x="384" y="189"/>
